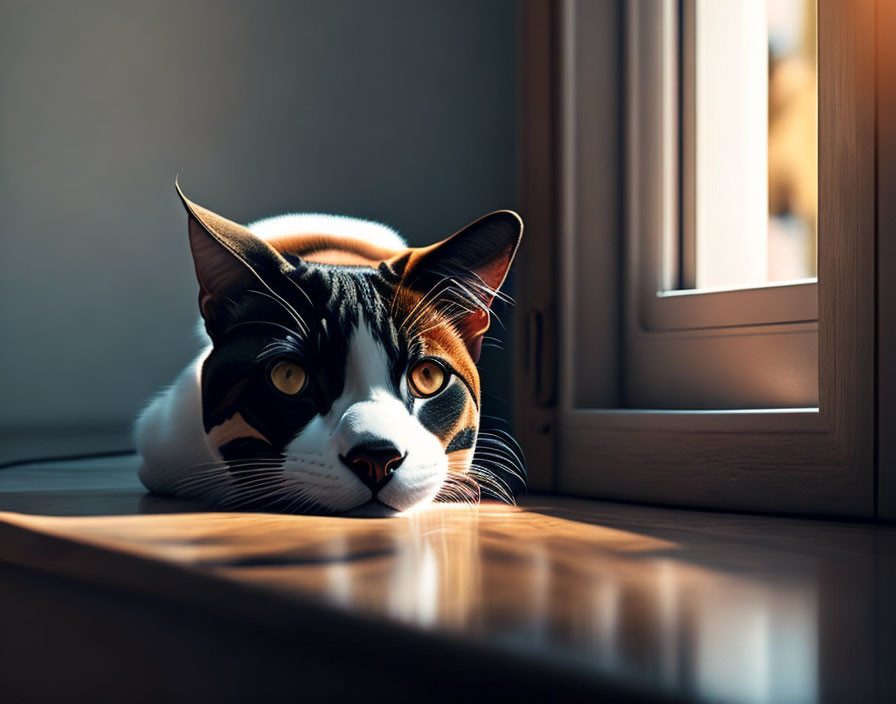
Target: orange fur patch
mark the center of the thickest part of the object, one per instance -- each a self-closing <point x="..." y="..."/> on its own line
<point x="327" y="249"/>
<point x="233" y="428"/>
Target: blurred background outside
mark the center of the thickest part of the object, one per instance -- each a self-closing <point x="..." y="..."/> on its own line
<point x="792" y="140"/>
<point x="755" y="141"/>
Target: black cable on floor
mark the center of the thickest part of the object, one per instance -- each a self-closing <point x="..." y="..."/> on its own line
<point x="67" y="458"/>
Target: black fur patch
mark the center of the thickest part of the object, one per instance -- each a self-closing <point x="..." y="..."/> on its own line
<point x="440" y="414"/>
<point x="464" y="440"/>
<point x="308" y="316"/>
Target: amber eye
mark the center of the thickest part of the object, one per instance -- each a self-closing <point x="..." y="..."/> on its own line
<point x="288" y="377"/>
<point x="427" y="378"/>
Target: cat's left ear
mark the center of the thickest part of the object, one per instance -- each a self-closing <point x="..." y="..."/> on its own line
<point x="475" y="260"/>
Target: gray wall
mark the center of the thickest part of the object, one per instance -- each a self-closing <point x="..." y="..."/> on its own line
<point x="401" y="111"/>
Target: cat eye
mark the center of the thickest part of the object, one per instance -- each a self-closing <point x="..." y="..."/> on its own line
<point x="288" y="378"/>
<point x="427" y="378"/>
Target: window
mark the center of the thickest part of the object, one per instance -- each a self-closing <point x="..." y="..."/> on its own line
<point x="747" y="94"/>
<point x="682" y="378"/>
<point x="706" y="328"/>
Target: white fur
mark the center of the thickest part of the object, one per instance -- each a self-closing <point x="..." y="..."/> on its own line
<point x="367" y="410"/>
<point x="169" y="433"/>
<point x="335" y="225"/>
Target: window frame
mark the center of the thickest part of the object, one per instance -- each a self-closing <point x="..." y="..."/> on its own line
<point x="886" y="261"/>
<point x="668" y="294"/>
<point x="694" y="348"/>
<point x="792" y="460"/>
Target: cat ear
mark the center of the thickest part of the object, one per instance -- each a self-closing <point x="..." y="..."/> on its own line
<point x="467" y="269"/>
<point x="228" y="258"/>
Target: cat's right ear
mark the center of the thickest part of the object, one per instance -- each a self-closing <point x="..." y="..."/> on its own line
<point x="228" y="258"/>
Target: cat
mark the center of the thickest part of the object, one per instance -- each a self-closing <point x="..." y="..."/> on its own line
<point x="339" y="372"/>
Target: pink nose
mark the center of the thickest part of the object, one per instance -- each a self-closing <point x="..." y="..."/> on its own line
<point x="373" y="463"/>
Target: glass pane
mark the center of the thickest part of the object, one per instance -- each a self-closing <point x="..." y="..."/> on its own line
<point x="792" y="140"/>
<point x="751" y="132"/>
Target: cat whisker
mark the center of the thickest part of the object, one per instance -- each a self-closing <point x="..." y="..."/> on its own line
<point x="220" y="473"/>
<point x="280" y="347"/>
<point x="293" y="313"/>
<point x="302" y="291"/>
<point x="225" y="467"/>
<point x="503" y="468"/>
<point x="421" y="302"/>
<point x="258" y="322"/>
<point x="261" y="494"/>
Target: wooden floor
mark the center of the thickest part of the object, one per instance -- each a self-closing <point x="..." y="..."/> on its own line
<point x="560" y="598"/>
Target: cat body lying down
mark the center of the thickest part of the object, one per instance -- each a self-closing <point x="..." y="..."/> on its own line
<point x="340" y="370"/>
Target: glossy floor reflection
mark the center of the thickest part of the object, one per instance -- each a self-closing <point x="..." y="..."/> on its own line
<point x="713" y="607"/>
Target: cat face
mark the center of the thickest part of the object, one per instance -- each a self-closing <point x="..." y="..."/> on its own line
<point x="332" y="385"/>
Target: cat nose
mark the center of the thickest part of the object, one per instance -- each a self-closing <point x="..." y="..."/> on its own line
<point x="374" y="463"/>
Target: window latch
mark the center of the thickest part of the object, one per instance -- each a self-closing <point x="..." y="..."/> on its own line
<point x="541" y="367"/>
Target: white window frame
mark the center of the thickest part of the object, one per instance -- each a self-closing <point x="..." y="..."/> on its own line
<point x="816" y="460"/>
